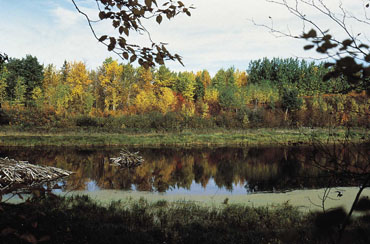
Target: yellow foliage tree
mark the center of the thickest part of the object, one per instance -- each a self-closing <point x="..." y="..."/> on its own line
<point x="50" y="83"/>
<point x="211" y="96"/>
<point x="3" y="85"/>
<point x="241" y="78"/>
<point x="145" y="100"/>
<point x="206" y="78"/>
<point x="110" y="80"/>
<point x="166" y="100"/>
<point x="38" y="97"/>
<point x="145" y="78"/>
<point x="78" y="80"/>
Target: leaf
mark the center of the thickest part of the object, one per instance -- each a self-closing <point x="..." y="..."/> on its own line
<point x="8" y="231"/>
<point x="125" y="55"/>
<point x="308" y="47"/>
<point x="112" y="44"/>
<point x="367" y="5"/>
<point x="120" y="30"/>
<point x="145" y="65"/>
<point x="347" y="42"/>
<point x="126" y="31"/>
<point x="148" y="3"/>
<point x="29" y="238"/>
<point x="363" y="46"/>
<point x="115" y="23"/>
<point x="159" y="19"/>
<point x="367" y="58"/>
<point x="22" y="216"/>
<point x="34" y="224"/>
<point x="103" y="38"/>
<point x="311" y="34"/>
<point x="327" y="37"/>
<point x="140" y="61"/>
<point x="180" y="4"/>
<point x="133" y="58"/>
<point x="44" y="238"/>
<point x="327" y="65"/>
<point x="321" y="49"/>
<point x="131" y="50"/>
<point x="102" y="15"/>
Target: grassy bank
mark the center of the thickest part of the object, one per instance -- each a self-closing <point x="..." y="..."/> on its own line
<point x="81" y="220"/>
<point x="193" y="138"/>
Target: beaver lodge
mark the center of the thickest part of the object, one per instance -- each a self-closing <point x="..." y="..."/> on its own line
<point x="16" y="175"/>
<point x="127" y="159"/>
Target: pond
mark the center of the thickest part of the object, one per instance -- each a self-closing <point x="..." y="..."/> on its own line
<point x="205" y="171"/>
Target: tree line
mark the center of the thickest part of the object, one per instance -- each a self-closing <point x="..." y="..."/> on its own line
<point x="269" y="93"/>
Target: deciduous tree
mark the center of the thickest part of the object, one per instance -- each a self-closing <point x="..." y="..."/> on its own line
<point x="111" y="82"/>
<point x="78" y="81"/>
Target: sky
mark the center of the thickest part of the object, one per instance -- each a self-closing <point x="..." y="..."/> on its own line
<point x="219" y="34"/>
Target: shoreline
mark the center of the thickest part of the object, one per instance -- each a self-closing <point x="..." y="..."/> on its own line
<point x="307" y="200"/>
<point x="190" y="138"/>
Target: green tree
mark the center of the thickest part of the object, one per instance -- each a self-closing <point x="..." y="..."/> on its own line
<point x="30" y="69"/>
<point x="290" y="100"/>
<point x="225" y="83"/>
<point x="185" y="84"/>
<point x="199" y="87"/>
<point x="163" y="77"/>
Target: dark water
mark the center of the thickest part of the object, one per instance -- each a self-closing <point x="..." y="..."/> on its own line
<point x="196" y="171"/>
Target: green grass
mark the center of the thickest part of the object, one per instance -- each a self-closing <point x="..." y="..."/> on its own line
<point x="81" y="220"/>
<point x="193" y="138"/>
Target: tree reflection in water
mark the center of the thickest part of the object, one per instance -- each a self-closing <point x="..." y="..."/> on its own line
<point x="164" y="170"/>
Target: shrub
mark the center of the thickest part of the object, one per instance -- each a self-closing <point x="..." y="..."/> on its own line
<point x="4" y="118"/>
<point x="86" y="121"/>
<point x="273" y="118"/>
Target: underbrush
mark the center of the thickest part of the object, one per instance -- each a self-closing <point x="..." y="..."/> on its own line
<point x="80" y="220"/>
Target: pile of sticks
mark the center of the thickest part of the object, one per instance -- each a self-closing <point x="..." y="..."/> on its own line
<point x="21" y="173"/>
<point x="127" y="159"/>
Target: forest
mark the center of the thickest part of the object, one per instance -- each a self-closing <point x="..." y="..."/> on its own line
<point x="269" y="93"/>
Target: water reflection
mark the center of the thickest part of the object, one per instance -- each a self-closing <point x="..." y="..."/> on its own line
<point x="185" y="171"/>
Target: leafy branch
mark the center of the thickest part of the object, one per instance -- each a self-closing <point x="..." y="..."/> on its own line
<point x="126" y="17"/>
